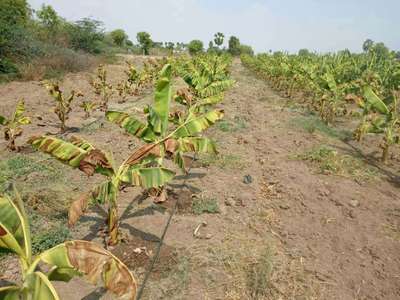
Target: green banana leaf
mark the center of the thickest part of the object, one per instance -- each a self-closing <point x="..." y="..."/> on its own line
<point x="14" y="227"/>
<point x="163" y="94"/>
<point x="375" y="102"/>
<point x="197" y="124"/>
<point x="147" y="177"/>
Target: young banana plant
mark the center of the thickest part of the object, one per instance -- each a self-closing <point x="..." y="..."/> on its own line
<point x="13" y="125"/>
<point x="63" y="262"/>
<point x="172" y="141"/>
<point x="137" y="170"/>
<point x="88" y="107"/>
<point x="379" y="118"/>
<point x="63" y="103"/>
<point x="101" y="87"/>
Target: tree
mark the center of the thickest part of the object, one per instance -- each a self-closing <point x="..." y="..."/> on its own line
<point x="14" y="12"/>
<point x="48" y="17"/>
<point x="304" y="52"/>
<point x="144" y="39"/>
<point x="170" y="46"/>
<point x="219" y="39"/>
<point x="86" y="34"/>
<point x="13" y="17"/>
<point x="368" y="44"/>
<point x="119" y="37"/>
<point x="245" y="49"/>
<point x="195" y="47"/>
<point x="234" y="46"/>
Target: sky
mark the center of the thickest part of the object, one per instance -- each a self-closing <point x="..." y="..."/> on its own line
<point x="289" y="25"/>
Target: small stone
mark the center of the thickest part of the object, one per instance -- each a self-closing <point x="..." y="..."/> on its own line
<point x="247" y="179"/>
<point x="229" y="202"/>
<point x="284" y="206"/>
<point x="354" y="203"/>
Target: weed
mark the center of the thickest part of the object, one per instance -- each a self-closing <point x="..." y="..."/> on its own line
<point x="229" y="161"/>
<point x="204" y="205"/>
<point x="313" y="124"/>
<point x="50" y="238"/>
<point x="259" y="274"/>
<point x="20" y="165"/>
<point x="237" y="124"/>
<point x="329" y="161"/>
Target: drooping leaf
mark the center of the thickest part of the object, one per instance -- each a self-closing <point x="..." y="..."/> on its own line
<point x="375" y="101"/>
<point x="197" y="124"/>
<point x="89" y="161"/>
<point x="147" y="177"/>
<point x="142" y="153"/>
<point x="95" y="263"/>
<point x="101" y="194"/>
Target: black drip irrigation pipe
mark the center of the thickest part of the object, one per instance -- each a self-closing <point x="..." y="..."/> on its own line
<point x="157" y="255"/>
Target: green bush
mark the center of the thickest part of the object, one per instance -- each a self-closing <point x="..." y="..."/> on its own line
<point x="195" y="47"/>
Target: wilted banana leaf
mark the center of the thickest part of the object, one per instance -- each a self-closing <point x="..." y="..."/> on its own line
<point x="95" y="263"/>
<point x="375" y="102"/>
<point x="101" y="194"/>
<point x="88" y="161"/>
<point x="147" y="177"/>
<point x="197" y="124"/>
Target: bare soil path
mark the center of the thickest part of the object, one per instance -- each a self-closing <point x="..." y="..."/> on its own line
<point x="279" y="228"/>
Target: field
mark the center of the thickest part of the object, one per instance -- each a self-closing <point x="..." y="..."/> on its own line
<point x="290" y="207"/>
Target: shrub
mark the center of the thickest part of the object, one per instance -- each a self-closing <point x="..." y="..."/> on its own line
<point x="195" y="47"/>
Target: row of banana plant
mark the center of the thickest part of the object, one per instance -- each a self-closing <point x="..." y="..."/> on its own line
<point x="169" y="129"/>
<point x="334" y="85"/>
<point x="136" y="82"/>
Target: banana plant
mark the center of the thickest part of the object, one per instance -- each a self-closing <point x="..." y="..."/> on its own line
<point x="88" y="107"/>
<point x="63" y="103"/>
<point x="101" y="87"/>
<point x="63" y="262"/>
<point x="207" y="78"/>
<point x="173" y="141"/>
<point x="138" y="169"/>
<point x="13" y="125"/>
<point x="379" y="117"/>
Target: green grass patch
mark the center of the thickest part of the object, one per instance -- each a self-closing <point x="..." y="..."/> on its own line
<point x="329" y="161"/>
<point x="229" y="161"/>
<point x="205" y="206"/>
<point x="22" y="165"/>
<point x="259" y="274"/>
<point x="236" y="124"/>
<point x="313" y="124"/>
